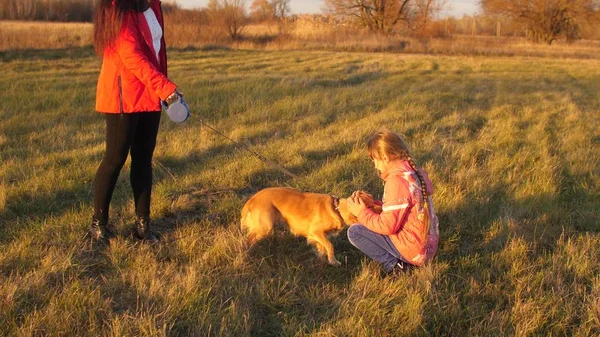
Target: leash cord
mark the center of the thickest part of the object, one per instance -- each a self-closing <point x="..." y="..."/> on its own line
<point x="260" y="157"/>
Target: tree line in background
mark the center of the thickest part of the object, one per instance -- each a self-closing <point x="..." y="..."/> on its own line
<point x="388" y="16"/>
<point x="233" y="14"/>
<point x="47" y="10"/>
<point x="537" y="20"/>
<point x="53" y="10"/>
<point x="546" y="20"/>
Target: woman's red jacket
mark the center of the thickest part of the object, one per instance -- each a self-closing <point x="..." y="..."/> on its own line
<point x="131" y="78"/>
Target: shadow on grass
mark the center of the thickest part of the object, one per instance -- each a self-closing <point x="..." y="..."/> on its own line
<point x="467" y="246"/>
<point x="47" y="54"/>
<point x="285" y="275"/>
<point x="24" y="211"/>
<point x="476" y="245"/>
<point x="284" y="259"/>
<point x="288" y="262"/>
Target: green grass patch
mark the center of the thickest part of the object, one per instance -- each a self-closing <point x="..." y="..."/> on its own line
<point x="512" y="146"/>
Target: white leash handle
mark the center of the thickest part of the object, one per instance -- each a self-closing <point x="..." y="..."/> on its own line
<point x="177" y="111"/>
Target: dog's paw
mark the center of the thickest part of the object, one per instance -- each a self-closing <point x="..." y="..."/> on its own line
<point x="335" y="263"/>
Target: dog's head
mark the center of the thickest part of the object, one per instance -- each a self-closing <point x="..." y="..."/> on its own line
<point x="348" y="217"/>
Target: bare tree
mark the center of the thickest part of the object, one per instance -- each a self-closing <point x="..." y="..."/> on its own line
<point x="281" y="8"/>
<point x="376" y="15"/>
<point x="231" y="14"/>
<point x="25" y="9"/>
<point x="262" y="10"/>
<point x="546" y="19"/>
<point x="422" y="12"/>
<point x="18" y="9"/>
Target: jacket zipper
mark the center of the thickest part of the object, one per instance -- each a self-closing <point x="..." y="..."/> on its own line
<point x="120" y="95"/>
<point x="163" y="43"/>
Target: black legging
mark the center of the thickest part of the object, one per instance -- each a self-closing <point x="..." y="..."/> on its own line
<point x="133" y="133"/>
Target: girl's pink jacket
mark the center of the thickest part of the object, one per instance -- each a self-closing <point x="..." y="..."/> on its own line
<point x="399" y="218"/>
<point x="131" y="78"/>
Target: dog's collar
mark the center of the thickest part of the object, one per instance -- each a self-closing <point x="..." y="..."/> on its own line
<point x="336" y="202"/>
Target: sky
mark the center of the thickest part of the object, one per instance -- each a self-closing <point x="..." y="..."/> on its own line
<point x="456" y="7"/>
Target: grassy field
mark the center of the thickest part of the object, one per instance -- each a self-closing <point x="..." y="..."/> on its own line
<point x="512" y="146"/>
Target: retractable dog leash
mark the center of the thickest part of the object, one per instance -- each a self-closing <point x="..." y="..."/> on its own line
<point x="179" y="112"/>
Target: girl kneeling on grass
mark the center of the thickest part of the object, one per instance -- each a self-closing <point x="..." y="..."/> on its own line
<point x="405" y="234"/>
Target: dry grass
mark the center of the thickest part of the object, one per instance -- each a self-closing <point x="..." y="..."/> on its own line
<point x="511" y="145"/>
<point x="507" y="46"/>
<point x="43" y="35"/>
<point x="303" y="34"/>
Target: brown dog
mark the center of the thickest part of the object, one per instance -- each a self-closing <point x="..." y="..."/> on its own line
<point x="311" y="215"/>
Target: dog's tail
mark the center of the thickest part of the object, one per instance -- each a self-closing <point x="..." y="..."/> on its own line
<point x="244" y="217"/>
<point x="246" y="223"/>
<point x="256" y="223"/>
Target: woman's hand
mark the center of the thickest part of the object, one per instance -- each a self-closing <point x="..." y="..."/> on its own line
<point x="356" y="204"/>
<point x="173" y="97"/>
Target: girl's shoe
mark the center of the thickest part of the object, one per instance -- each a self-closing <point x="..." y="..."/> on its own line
<point x="142" y="229"/>
<point x="100" y="231"/>
<point x="401" y="268"/>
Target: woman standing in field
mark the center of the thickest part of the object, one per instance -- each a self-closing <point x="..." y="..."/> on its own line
<point x="405" y="234"/>
<point x="128" y="35"/>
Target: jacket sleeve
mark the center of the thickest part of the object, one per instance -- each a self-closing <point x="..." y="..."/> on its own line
<point x="128" y="47"/>
<point x="394" y="211"/>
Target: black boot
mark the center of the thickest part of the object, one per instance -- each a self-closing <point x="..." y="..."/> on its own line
<point x="142" y="229"/>
<point x="100" y="231"/>
<point x="401" y="268"/>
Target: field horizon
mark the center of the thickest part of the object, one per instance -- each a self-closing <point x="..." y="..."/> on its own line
<point x="303" y="34"/>
<point x="511" y="145"/>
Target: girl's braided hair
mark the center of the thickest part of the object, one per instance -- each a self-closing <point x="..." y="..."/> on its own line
<point x="391" y="144"/>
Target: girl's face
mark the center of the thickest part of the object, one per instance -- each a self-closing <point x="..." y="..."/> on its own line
<point x="381" y="163"/>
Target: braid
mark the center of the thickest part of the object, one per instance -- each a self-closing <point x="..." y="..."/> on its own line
<point x="406" y="156"/>
<point x="413" y="165"/>
<point x="424" y="194"/>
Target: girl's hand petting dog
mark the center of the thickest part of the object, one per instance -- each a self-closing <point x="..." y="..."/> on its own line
<point x="366" y="197"/>
<point x="360" y="200"/>
<point x="355" y="203"/>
